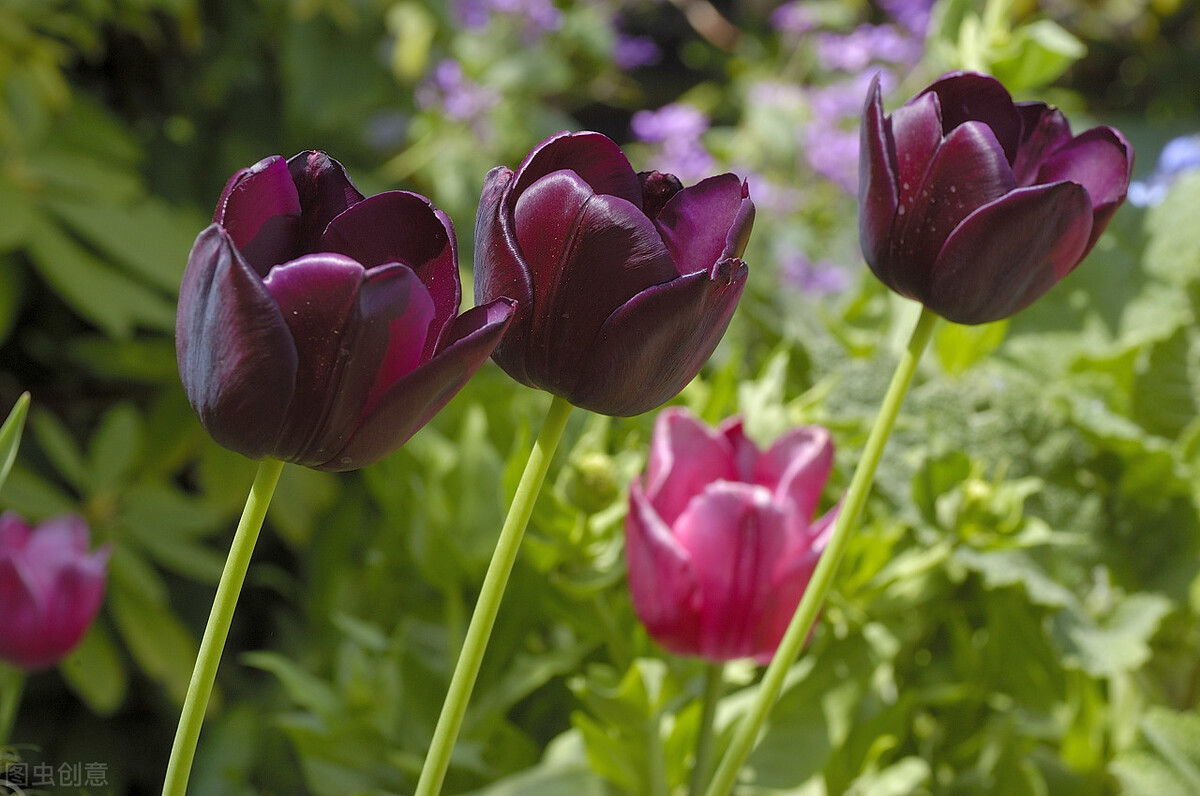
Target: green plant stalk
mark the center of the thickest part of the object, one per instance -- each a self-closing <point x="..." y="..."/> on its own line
<point x="179" y="768"/>
<point x="462" y="682"/>
<point x="714" y="682"/>
<point x="12" y="684"/>
<point x="656" y="758"/>
<point x="814" y="596"/>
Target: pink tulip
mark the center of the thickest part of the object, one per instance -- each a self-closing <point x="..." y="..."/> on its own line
<point x="51" y="586"/>
<point x="719" y="538"/>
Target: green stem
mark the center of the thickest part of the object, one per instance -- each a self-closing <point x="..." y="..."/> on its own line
<point x="492" y="591"/>
<point x="656" y="758"/>
<point x="213" y="644"/>
<point x="12" y="684"/>
<point x="814" y="596"/>
<point x="714" y="682"/>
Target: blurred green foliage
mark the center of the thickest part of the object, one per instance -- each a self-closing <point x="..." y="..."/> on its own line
<point x="1018" y="614"/>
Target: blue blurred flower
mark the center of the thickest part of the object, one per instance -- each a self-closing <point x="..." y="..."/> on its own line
<point x="812" y="278"/>
<point x="449" y="91"/>
<point x="630" y="52"/>
<point x="1179" y="156"/>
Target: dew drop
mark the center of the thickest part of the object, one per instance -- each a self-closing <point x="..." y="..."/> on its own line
<point x="900" y="210"/>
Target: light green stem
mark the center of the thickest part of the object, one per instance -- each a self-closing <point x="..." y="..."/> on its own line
<point x="217" y="631"/>
<point x="656" y="758"/>
<point x="714" y="682"/>
<point x="492" y="591"/>
<point x="12" y="684"/>
<point x="814" y="596"/>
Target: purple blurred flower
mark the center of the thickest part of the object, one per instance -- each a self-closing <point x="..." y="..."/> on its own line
<point x="812" y="279"/>
<point x="975" y="205"/>
<point x="677" y="131"/>
<point x="913" y="15"/>
<point x="832" y="153"/>
<point x="720" y="538"/>
<point x="796" y="18"/>
<point x="534" y="17"/>
<point x="630" y="52"/>
<point x="322" y="328"/>
<point x="624" y="282"/>
<point x="866" y="44"/>
<point x="1179" y="156"/>
<point x="51" y="587"/>
<point x="450" y="92"/>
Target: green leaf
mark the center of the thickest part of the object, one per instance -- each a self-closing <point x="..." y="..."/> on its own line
<point x="958" y="347"/>
<point x="114" y="447"/>
<point x="1002" y="568"/>
<point x="100" y="294"/>
<point x="95" y="672"/>
<point x="59" y="446"/>
<point x="304" y="688"/>
<point x="150" y="239"/>
<point x="1167" y="762"/>
<point x="302" y="497"/>
<point x="158" y="641"/>
<point x="1036" y="55"/>
<point x="10" y="435"/>
<point x="1119" y="643"/>
<point x="12" y="290"/>
<point x="936" y="477"/>
<point x="1166" y="391"/>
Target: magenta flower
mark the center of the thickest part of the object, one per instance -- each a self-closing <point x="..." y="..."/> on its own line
<point x="624" y="282"/>
<point x="322" y="328"/>
<point x="975" y="205"/>
<point x="720" y="538"/>
<point x="50" y="588"/>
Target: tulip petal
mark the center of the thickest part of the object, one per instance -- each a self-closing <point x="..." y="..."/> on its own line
<point x="650" y="348"/>
<point x="395" y="315"/>
<point x="500" y="272"/>
<point x="790" y="580"/>
<point x="735" y="538"/>
<point x="20" y="615"/>
<point x="972" y="97"/>
<point x="662" y="582"/>
<point x="1010" y="252"/>
<point x="587" y="255"/>
<point x="318" y="297"/>
<point x="698" y="223"/>
<point x="595" y="158"/>
<point x="416" y="397"/>
<point x="745" y="452"/>
<point x="325" y="192"/>
<point x="916" y="133"/>
<point x="236" y="357"/>
<point x="260" y="210"/>
<point x="1100" y="160"/>
<point x="968" y="170"/>
<point x="685" y="456"/>
<point x="403" y="227"/>
<point x="1046" y="129"/>
<point x="795" y="468"/>
<point x="878" y="186"/>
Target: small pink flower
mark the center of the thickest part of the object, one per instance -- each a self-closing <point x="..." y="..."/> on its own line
<point x="719" y="538"/>
<point x="50" y="588"/>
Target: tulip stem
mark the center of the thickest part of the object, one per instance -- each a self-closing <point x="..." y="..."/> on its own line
<point x="806" y="612"/>
<point x="714" y="684"/>
<point x="480" y="628"/>
<point x="217" y="631"/>
<point x="12" y="684"/>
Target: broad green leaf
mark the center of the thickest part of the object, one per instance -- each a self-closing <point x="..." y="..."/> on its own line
<point x="1167" y="762"/>
<point x="12" y="291"/>
<point x="304" y="688"/>
<point x="937" y="476"/>
<point x="114" y="447"/>
<point x="958" y="347"/>
<point x="1002" y="568"/>
<point x="33" y="497"/>
<point x="61" y="449"/>
<point x="1118" y="643"/>
<point x="149" y="238"/>
<point x="1166" y="390"/>
<point x="95" y="671"/>
<point x="10" y="435"/>
<point x="1171" y="251"/>
<point x="300" y="500"/>
<point x="1036" y="55"/>
<point x="156" y="638"/>
<point x="99" y="293"/>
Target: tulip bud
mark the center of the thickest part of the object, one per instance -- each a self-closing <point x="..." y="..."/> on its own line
<point x="319" y="327"/>
<point x="624" y="283"/>
<point x="975" y="205"/>
<point x="50" y="588"/>
<point x="720" y="538"/>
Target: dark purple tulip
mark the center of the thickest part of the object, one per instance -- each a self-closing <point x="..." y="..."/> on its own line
<point x="322" y="328"/>
<point x="624" y="282"/>
<point x="720" y="537"/>
<point x="51" y="586"/>
<point x="975" y="205"/>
